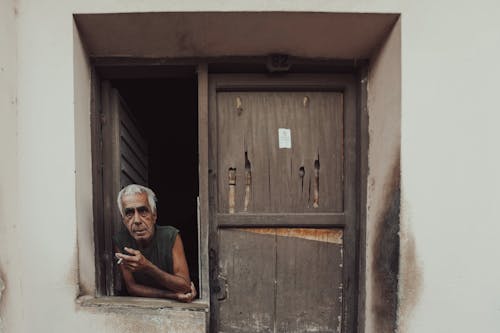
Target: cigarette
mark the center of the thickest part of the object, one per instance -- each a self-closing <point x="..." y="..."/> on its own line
<point x="119" y="261"/>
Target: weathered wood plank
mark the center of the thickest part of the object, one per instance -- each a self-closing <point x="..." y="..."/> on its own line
<point x="309" y="281"/>
<point x="125" y="180"/>
<point x="247" y="264"/>
<point x="127" y="138"/>
<point x="282" y="179"/>
<point x="130" y="123"/>
<point x="329" y="135"/>
<point x="270" y="219"/>
<point x="133" y="148"/>
<point x="203" y="160"/>
<point x="131" y="157"/>
<point x="361" y="193"/>
<point x="111" y="177"/>
<point x="132" y="173"/>
<point x="118" y="170"/>
<point x="232" y="132"/>
<point x="97" y="177"/>
<point x="213" y="204"/>
<point x="334" y="236"/>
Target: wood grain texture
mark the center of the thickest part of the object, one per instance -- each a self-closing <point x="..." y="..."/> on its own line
<point x="133" y="148"/>
<point x="282" y="192"/>
<point x="277" y="184"/>
<point x="281" y="220"/>
<point x="309" y="281"/>
<point x="247" y="262"/>
<point x="281" y="280"/>
<point x="333" y="236"/>
<point x="124" y="160"/>
<point x="110" y="177"/>
<point x="203" y="158"/>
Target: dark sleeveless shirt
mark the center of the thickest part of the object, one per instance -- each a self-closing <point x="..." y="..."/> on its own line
<point x="159" y="252"/>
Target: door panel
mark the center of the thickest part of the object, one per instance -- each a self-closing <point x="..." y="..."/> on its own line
<point x="309" y="280"/>
<point x="247" y="267"/>
<point x="282" y="179"/>
<point x="280" y="280"/>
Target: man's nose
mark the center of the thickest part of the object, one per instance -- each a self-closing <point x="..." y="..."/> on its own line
<point x="137" y="218"/>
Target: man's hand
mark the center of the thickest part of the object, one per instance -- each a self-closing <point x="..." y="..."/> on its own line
<point x="135" y="261"/>
<point x="187" y="297"/>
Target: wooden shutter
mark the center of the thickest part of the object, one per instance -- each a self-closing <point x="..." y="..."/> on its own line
<point x="125" y="161"/>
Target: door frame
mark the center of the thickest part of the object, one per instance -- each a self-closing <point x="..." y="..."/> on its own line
<point x="347" y="83"/>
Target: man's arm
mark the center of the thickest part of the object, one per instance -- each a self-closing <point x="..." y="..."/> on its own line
<point x="136" y="289"/>
<point x="179" y="282"/>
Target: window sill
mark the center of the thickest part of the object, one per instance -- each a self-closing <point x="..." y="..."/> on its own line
<point x="121" y="302"/>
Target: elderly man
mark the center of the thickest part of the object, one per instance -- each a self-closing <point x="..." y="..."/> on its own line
<point x="151" y="258"/>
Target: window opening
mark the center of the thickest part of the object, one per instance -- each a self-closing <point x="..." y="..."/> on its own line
<point x="166" y="112"/>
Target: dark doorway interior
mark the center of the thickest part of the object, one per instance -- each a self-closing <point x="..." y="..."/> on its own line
<point x="167" y="111"/>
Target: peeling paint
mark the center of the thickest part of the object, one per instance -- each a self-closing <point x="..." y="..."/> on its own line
<point x="333" y="236"/>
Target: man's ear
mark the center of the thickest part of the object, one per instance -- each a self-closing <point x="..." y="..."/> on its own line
<point x="153" y="217"/>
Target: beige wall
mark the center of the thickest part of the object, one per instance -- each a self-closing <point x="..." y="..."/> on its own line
<point x="384" y="131"/>
<point x="83" y="168"/>
<point x="9" y="261"/>
<point x="449" y="159"/>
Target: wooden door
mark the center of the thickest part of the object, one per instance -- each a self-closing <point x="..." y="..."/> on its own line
<point x="282" y="241"/>
<point x="125" y="161"/>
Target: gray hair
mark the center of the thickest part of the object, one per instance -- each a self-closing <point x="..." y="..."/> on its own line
<point x="136" y="189"/>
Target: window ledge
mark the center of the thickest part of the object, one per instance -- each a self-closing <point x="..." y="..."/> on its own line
<point x="121" y="302"/>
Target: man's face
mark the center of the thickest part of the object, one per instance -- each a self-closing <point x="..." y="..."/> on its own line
<point x="138" y="217"/>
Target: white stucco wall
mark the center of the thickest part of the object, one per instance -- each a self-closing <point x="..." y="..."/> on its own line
<point x="450" y="188"/>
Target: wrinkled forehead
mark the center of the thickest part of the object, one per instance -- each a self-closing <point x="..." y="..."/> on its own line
<point x="135" y="200"/>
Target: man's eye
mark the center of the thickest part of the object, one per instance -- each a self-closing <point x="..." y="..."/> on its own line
<point x="143" y="211"/>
